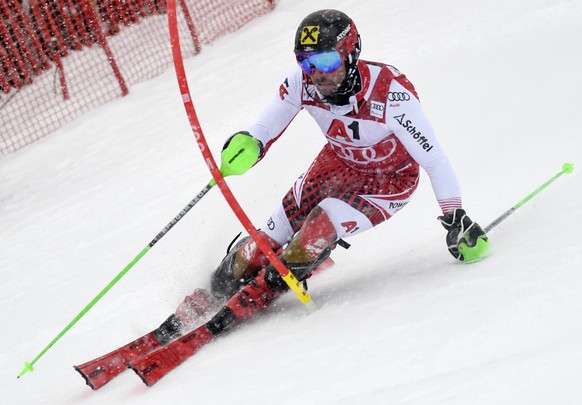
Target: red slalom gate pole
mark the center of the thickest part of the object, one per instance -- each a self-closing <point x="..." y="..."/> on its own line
<point x="262" y="244"/>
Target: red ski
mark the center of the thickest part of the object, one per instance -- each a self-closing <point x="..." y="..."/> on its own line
<point x="101" y="370"/>
<point x="190" y="313"/>
<point x="154" y="366"/>
<point x="153" y="357"/>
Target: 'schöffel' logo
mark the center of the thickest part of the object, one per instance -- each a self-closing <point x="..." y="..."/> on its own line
<point x="398" y="96"/>
<point x="417" y="135"/>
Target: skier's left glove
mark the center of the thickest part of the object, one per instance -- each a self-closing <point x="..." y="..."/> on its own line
<point x="465" y="239"/>
<point x="240" y="152"/>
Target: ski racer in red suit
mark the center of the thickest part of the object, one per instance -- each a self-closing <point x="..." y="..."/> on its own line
<point x="377" y="137"/>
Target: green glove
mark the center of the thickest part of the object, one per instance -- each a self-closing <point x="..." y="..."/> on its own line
<point x="240" y="152"/>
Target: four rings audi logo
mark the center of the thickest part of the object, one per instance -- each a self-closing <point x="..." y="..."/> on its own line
<point x="398" y="96"/>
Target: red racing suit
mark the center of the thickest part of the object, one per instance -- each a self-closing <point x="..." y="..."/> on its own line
<point x="369" y="168"/>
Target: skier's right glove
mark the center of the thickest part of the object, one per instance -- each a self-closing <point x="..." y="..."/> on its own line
<point x="240" y="152"/>
<point x="465" y="239"/>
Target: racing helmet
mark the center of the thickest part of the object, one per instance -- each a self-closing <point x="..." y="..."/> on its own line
<point x="324" y="40"/>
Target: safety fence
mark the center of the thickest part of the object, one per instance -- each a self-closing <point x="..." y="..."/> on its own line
<point x="62" y="58"/>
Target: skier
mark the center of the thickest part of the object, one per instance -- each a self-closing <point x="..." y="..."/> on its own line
<point x="377" y="137"/>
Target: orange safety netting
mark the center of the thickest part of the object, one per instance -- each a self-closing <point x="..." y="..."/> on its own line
<point x="61" y="58"/>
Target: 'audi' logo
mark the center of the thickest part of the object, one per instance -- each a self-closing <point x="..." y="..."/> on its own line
<point x="398" y="96"/>
<point x="367" y="154"/>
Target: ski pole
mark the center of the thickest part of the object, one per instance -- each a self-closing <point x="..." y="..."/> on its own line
<point x="566" y="168"/>
<point x="28" y="366"/>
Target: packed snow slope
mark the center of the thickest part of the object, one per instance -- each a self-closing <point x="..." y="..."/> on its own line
<point x="399" y="321"/>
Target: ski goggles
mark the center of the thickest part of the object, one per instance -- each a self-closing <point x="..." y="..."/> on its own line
<point x="326" y="62"/>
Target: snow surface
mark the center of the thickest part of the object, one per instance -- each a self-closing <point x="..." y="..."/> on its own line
<point x="400" y="322"/>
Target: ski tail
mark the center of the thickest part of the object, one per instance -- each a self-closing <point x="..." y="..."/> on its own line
<point x="156" y="365"/>
<point x="100" y="371"/>
<point x="195" y="309"/>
